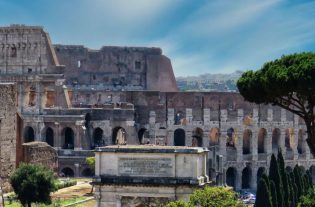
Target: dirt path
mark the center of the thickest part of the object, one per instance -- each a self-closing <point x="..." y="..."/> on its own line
<point x="83" y="188"/>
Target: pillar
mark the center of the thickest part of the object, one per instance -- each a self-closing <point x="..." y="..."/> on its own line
<point x="253" y="182"/>
<point x="239" y="147"/>
<point x="295" y="144"/>
<point x="238" y="179"/>
<point x="254" y="144"/>
<point x="77" y="134"/>
<point x="268" y="146"/>
<point x="282" y="142"/>
<point x="57" y="138"/>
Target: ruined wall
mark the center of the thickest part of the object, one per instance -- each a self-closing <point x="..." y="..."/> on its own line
<point x="117" y="68"/>
<point x="40" y="153"/>
<point x="7" y="132"/>
<point x="26" y="50"/>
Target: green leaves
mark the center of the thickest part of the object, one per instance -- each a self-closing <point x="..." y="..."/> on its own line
<point x="210" y="197"/>
<point x="32" y="183"/>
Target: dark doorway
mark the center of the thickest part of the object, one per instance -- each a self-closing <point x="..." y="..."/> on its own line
<point x="50" y="136"/>
<point x="179" y="137"/>
<point x="29" y="134"/>
<point x="69" y="138"/>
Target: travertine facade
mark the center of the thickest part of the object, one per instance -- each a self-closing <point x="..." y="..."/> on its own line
<point x="77" y="99"/>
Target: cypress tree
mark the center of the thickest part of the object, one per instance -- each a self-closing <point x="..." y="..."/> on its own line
<point x="298" y="181"/>
<point x="274" y="175"/>
<point x="273" y="192"/>
<point x="292" y="194"/>
<point x="263" y="198"/>
<point x="294" y="186"/>
<point x="284" y="177"/>
<point x="286" y="190"/>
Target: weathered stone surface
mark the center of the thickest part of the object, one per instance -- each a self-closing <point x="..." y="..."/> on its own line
<point x="40" y="153"/>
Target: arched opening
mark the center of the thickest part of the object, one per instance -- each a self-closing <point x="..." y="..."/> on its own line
<point x="142" y="134"/>
<point x="67" y="172"/>
<point x="68" y="138"/>
<point x="260" y="172"/>
<point x="50" y="136"/>
<point x="119" y="136"/>
<point x="301" y="142"/>
<point x="214" y="136"/>
<point x="179" y="137"/>
<point x="87" y="172"/>
<point x="197" y="136"/>
<point x="29" y="135"/>
<point x="246" y="178"/>
<point x="247" y="138"/>
<point x="231" y="176"/>
<point x="289" y="137"/>
<point x="312" y="171"/>
<point x="98" y="138"/>
<point x="261" y="140"/>
<point x="288" y="169"/>
<point x="276" y="139"/>
<point x="231" y="137"/>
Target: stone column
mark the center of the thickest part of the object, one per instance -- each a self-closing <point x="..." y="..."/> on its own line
<point x="77" y="169"/>
<point x="77" y="139"/>
<point x="238" y="179"/>
<point x="222" y="144"/>
<point x="268" y="145"/>
<point x="39" y="93"/>
<point x="253" y="182"/>
<point x="282" y="142"/>
<point x="188" y="138"/>
<point x="307" y="149"/>
<point x="240" y="116"/>
<point x="58" y="137"/>
<point x="239" y="147"/>
<point x="189" y="116"/>
<point x="170" y="138"/>
<point x="170" y="116"/>
<point x="254" y="144"/>
<point x="206" y="116"/>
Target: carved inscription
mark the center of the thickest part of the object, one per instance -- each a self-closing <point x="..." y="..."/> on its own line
<point x="161" y="167"/>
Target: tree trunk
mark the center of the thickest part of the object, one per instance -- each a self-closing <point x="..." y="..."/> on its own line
<point x="29" y="204"/>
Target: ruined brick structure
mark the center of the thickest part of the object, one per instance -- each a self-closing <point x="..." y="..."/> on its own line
<point x="76" y="99"/>
<point x="8" y="132"/>
<point x="40" y="153"/>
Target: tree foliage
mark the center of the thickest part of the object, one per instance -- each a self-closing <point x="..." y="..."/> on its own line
<point x="91" y="162"/>
<point x="263" y="195"/>
<point x="210" y="197"/>
<point x="288" y="82"/>
<point x="307" y="200"/>
<point x="274" y="175"/>
<point x="33" y="184"/>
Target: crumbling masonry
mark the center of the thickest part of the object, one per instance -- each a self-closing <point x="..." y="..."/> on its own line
<point x="76" y="99"/>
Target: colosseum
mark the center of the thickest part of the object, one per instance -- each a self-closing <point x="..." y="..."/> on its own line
<point x="75" y="99"/>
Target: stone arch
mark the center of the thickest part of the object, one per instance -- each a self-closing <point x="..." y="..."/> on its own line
<point x="260" y="172"/>
<point x="276" y="134"/>
<point x="68" y="136"/>
<point x="119" y="136"/>
<point x="67" y="172"/>
<point x="197" y="136"/>
<point x="262" y="134"/>
<point x="179" y="137"/>
<point x="87" y="172"/>
<point x="301" y="142"/>
<point x="231" y="177"/>
<point x="247" y="139"/>
<point x="312" y="171"/>
<point x="29" y="134"/>
<point x="49" y="136"/>
<point x="231" y="137"/>
<point x="289" y="136"/>
<point x="246" y="178"/>
<point x="214" y="136"/>
<point x="142" y="134"/>
<point x="98" y="137"/>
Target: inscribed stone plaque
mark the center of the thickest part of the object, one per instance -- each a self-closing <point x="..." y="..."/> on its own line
<point x="161" y="167"/>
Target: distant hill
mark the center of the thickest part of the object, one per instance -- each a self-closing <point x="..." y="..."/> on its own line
<point x="209" y="82"/>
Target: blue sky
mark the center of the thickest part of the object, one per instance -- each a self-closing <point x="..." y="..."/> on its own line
<point x="200" y="36"/>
